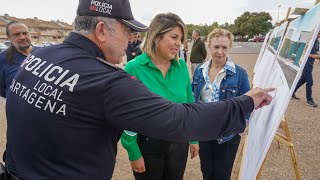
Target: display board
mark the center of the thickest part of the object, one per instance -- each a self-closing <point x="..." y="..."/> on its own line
<point x="280" y="66"/>
<point x="268" y="56"/>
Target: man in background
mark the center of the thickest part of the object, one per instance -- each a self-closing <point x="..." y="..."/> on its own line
<point x="131" y="51"/>
<point x="198" y="51"/>
<point x="10" y="59"/>
<point x="306" y="76"/>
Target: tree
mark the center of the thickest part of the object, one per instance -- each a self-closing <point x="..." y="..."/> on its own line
<point x="253" y="23"/>
<point x="204" y="29"/>
<point x="248" y="24"/>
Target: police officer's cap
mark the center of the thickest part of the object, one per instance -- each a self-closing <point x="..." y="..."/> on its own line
<point x="118" y="9"/>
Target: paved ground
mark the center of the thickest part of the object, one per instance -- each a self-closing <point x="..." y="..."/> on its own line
<point x="241" y="48"/>
<point x="303" y="123"/>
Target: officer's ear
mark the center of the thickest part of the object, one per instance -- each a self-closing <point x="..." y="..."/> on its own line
<point x="101" y="32"/>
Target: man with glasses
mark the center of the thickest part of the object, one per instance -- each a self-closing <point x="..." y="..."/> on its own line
<point x="69" y="103"/>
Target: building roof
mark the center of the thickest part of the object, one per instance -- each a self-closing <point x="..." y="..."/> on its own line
<point x="35" y="22"/>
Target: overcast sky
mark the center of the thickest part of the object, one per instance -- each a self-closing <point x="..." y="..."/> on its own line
<point x="191" y="11"/>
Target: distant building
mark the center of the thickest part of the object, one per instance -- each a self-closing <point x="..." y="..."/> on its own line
<point x="41" y="31"/>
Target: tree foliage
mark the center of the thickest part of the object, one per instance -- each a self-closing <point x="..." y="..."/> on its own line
<point x="204" y="29"/>
<point x="253" y="23"/>
<point x="246" y="25"/>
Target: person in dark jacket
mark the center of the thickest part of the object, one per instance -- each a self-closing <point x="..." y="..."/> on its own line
<point x="198" y="50"/>
<point x="10" y="59"/>
<point x="132" y="49"/>
<point x="306" y="77"/>
<point x="73" y="102"/>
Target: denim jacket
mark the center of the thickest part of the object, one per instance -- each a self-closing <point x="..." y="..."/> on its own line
<point x="232" y="85"/>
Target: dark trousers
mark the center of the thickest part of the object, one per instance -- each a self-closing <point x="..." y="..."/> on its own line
<point x="217" y="159"/>
<point x="306" y="77"/>
<point x="163" y="160"/>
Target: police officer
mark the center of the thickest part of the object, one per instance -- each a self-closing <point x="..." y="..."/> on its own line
<point x="68" y="104"/>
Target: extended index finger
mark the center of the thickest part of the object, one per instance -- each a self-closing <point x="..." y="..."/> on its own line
<point x="269" y="89"/>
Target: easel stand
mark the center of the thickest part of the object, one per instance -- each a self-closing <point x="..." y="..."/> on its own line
<point x="286" y="140"/>
<point x="281" y="138"/>
<point x="286" y="137"/>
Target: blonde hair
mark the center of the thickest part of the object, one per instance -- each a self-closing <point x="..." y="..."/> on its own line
<point x="161" y="24"/>
<point x="219" y="32"/>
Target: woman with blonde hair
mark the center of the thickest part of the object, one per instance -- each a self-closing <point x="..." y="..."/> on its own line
<point x="216" y="80"/>
<point x="160" y="69"/>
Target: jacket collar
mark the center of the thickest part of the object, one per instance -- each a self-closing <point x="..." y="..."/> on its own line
<point x="199" y="39"/>
<point x="229" y="66"/>
<point x="84" y="43"/>
<point x="144" y="59"/>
